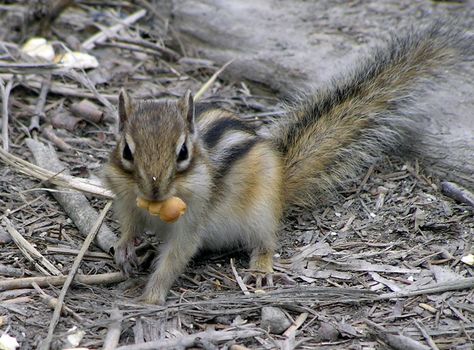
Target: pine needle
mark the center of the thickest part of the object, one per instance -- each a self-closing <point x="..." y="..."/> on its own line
<point x="211" y="81"/>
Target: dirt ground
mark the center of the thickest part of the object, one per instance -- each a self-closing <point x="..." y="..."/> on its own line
<point x="378" y="266"/>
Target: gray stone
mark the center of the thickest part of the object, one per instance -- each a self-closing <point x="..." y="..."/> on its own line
<point x="274" y="320"/>
<point x="327" y="332"/>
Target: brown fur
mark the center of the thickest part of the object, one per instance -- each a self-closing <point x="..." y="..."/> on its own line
<point x="329" y="136"/>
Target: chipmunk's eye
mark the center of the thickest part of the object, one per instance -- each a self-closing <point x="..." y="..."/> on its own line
<point x="127" y="153"/>
<point x="183" y="153"/>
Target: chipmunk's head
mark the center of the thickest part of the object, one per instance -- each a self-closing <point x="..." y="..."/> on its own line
<point x="156" y="144"/>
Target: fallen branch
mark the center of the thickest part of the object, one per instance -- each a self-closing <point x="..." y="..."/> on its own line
<point x="45" y="281"/>
<point x="192" y="340"/>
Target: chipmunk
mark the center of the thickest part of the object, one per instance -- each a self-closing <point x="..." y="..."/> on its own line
<point x="237" y="183"/>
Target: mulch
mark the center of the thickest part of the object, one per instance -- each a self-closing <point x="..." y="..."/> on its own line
<point x="377" y="266"/>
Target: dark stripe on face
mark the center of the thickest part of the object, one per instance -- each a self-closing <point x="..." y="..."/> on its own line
<point x="218" y="128"/>
<point x="233" y="155"/>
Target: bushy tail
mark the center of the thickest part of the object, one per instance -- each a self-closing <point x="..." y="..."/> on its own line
<point x="329" y="136"/>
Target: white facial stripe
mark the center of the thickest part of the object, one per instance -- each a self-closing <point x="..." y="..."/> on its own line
<point x="142" y="173"/>
<point x="189" y="144"/>
<point x="130" y="143"/>
<point x="180" y="143"/>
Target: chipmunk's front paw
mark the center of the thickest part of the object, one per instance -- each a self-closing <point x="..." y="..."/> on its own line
<point x="261" y="271"/>
<point x="261" y="279"/>
<point x="126" y="258"/>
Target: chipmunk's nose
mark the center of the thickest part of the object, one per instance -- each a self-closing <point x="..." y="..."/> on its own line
<point x="157" y="190"/>
<point x="155" y="193"/>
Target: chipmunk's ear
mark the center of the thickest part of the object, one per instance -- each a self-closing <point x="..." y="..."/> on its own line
<point x="187" y="106"/>
<point x="124" y="107"/>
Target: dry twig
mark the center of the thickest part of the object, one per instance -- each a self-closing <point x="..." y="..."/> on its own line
<point x="425" y="334"/>
<point x="113" y="334"/>
<point x="155" y="47"/>
<point x="192" y="339"/>
<point x="52" y="302"/>
<point x="39" y="108"/>
<point x="458" y="193"/>
<point x="297" y="324"/>
<point x="45" y="281"/>
<point x="57" y="311"/>
<point x="290" y="333"/>
<point x="5" y="92"/>
<point x="55" y="178"/>
<point x="441" y="287"/>
<point x="211" y="81"/>
<point x="31" y="253"/>
<point x="49" y="133"/>
<point x="10" y="271"/>
<point x="238" y="279"/>
<point x="106" y="33"/>
<point x="398" y="342"/>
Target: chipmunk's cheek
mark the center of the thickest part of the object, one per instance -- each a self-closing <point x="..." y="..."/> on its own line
<point x="171" y="190"/>
<point x="143" y="191"/>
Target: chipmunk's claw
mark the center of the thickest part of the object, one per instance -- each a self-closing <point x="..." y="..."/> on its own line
<point x="259" y="278"/>
<point x="126" y="258"/>
<point x="267" y="279"/>
<point x="261" y="271"/>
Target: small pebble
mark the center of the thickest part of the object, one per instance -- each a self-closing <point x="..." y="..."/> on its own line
<point x="327" y="332"/>
<point x="4" y="236"/>
<point x="274" y="320"/>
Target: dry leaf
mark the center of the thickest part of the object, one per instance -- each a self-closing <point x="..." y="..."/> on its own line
<point x="468" y="259"/>
<point x="8" y="343"/>
<point x="77" y="60"/>
<point x="38" y="47"/>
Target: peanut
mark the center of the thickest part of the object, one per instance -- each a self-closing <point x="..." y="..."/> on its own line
<point x="169" y="210"/>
